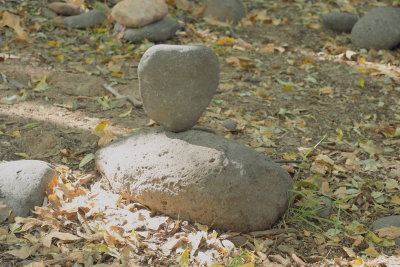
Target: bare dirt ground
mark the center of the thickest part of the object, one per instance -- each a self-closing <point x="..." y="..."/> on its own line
<point x="290" y="84"/>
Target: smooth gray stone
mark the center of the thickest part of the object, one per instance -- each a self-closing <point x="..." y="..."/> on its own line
<point x="155" y="32"/>
<point x="177" y="82"/>
<point x="23" y="184"/>
<point x="225" y="10"/>
<point x="387" y="222"/>
<point x="339" y="21"/>
<point x="199" y="177"/>
<point x="86" y="20"/>
<point x="379" y="29"/>
<point x="229" y="124"/>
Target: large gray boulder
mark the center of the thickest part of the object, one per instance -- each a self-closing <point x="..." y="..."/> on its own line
<point x="155" y="32"/>
<point x="23" y="184"/>
<point x="225" y="10"/>
<point x="198" y="176"/>
<point x="177" y="82"/>
<point x="339" y="21"/>
<point x="379" y="29"/>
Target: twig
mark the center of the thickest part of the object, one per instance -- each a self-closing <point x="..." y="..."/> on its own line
<point x="136" y="103"/>
<point x="288" y="161"/>
<point x="272" y="232"/>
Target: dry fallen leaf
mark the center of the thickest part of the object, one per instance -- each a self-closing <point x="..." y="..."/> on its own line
<point x="391" y="232"/>
<point x="14" y="22"/>
<point x="46" y="240"/>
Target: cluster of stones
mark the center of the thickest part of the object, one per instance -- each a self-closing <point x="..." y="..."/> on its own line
<point x="144" y="19"/>
<point x="76" y="17"/>
<point x="378" y="29"/>
<point x="186" y="173"/>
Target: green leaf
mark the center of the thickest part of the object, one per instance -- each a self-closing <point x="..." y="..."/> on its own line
<point x="86" y="159"/>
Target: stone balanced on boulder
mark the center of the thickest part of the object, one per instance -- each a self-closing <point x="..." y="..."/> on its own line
<point x="177" y="82"/>
<point x="189" y="174"/>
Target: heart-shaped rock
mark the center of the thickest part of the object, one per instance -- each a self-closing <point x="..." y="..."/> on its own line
<point x="177" y="83"/>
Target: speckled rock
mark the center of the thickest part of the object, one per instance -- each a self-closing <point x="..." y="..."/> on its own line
<point x="339" y="21"/>
<point x="177" y="82"/>
<point x="379" y="29"/>
<point x="86" y="20"/>
<point x="225" y="10"/>
<point x="155" y="32"/>
<point x="136" y="13"/>
<point x="23" y="184"/>
<point x="198" y="176"/>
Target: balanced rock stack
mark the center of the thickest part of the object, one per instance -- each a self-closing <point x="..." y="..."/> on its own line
<point x="76" y="17"/>
<point x="192" y="174"/>
<point x="144" y="19"/>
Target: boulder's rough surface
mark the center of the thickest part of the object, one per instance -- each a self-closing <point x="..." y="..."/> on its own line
<point x="379" y="29"/>
<point x="23" y="184"/>
<point x="177" y="83"/>
<point x="155" y="32"/>
<point x="225" y="10"/>
<point x="136" y="13"/>
<point x="86" y="20"/>
<point x="64" y="9"/>
<point x="339" y="21"/>
<point x="198" y="176"/>
<point x="387" y="222"/>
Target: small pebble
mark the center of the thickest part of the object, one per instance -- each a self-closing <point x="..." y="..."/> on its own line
<point x="229" y="124"/>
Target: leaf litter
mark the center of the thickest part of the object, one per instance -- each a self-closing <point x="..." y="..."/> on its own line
<point x="280" y="90"/>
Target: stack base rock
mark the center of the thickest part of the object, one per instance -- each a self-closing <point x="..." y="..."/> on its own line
<point x="177" y="82"/>
<point x="198" y="176"/>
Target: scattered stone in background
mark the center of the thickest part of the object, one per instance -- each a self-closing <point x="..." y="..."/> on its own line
<point x="136" y="13"/>
<point x="64" y="9"/>
<point x="23" y="184"/>
<point x="47" y="13"/>
<point x="86" y="20"/>
<point x="387" y="221"/>
<point x="155" y="32"/>
<point x="229" y="124"/>
<point x="225" y="10"/>
<point x="198" y="176"/>
<point x="326" y="207"/>
<point x="379" y="29"/>
<point x="339" y="21"/>
<point x="177" y="82"/>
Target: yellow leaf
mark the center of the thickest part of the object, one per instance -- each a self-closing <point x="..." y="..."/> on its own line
<point x="367" y="70"/>
<point x="117" y="74"/>
<point x="357" y="262"/>
<point x="313" y="25"/>
<point x="362" y="60"/>
<point x="100" y="127"/>
<point x="326" y="90"/>
<point x="395" y="200"/>
<point x="89" y="60"/>
<point x="22" y="155"/>
<point x="226" y="41"/>
<point x="16" y="134"/>
<point x="42" y="85"/>
<point x="184" y="259"/>
<point x="361" y="82"/>
<point x="340" y="134"/>
<point x="249" y="264"/>
<point x="53" y="43"/>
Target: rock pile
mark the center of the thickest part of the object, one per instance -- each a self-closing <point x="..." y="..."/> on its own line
<point x="144" y="19"/>
<point x="76" y="17"/>
<point x="190" y="174"/>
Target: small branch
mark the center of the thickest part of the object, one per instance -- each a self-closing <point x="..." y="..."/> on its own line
<point x="288" y="161"/>
<point x="136" y="103"/>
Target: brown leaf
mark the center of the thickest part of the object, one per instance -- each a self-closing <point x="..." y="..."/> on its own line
<point x="24" y="252"/>
<point x="14" y="22"/>
<point x="46" y="240"/>
<point x="391" y="232"/>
